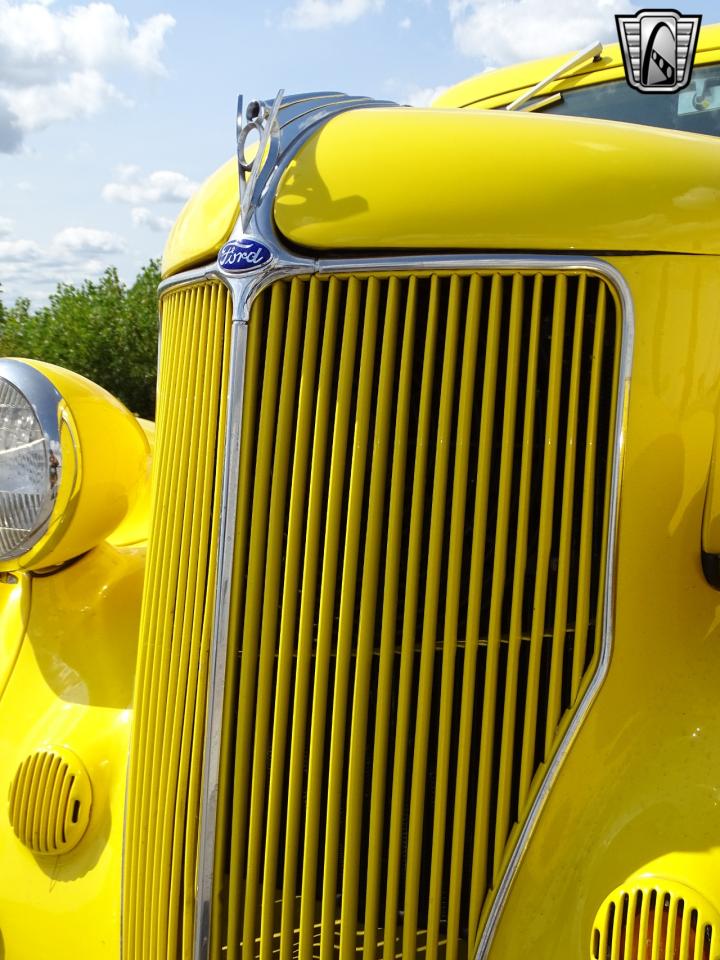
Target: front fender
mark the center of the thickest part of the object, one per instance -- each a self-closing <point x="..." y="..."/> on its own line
<point x="69" y="686"/>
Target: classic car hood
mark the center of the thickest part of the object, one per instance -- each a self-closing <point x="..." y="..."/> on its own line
<point x="408" y="178"/>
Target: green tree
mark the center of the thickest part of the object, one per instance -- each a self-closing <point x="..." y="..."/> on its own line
<point x="103" y="329"/>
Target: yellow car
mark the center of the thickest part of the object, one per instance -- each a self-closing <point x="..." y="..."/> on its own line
<point x="411" y="645"/>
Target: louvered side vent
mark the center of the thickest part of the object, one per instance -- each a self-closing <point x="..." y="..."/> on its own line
<point x="50" y="801"/>
<point x="422" y="526"/>
<point x="169" y="722"/>
<point x="655" y="921"/>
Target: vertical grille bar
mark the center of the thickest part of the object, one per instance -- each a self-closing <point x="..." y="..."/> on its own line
<point x="515" y="635"/>
<point x="549" y="466"/>
<point x="568" y="512"/>
<point x="430" y="617"/>
<point x="379" y="788"/>
<point x="367" y="618"/>
<point x="270" y="611"/>
<point x="409" y="626"/>
<point x="326" y="635"/>
<point x="470" y="653"/>
<point x="657" y="926"/>
<point x="586" y="528"/>
<point x="346" y="619"/>
<point x="161" y="840"/>
<point x="643" y="937"/>
<point x="218" y="382"/>
<point x="294" y="851"/>
<point x="450" y="633"/>
<point x="473" y="634"/>
<point x="239" y="917"/>
<point x="289" y="615"/>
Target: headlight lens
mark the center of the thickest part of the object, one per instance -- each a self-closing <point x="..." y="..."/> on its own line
<point x="74" y="465"/>
<point x="29" y="464"/>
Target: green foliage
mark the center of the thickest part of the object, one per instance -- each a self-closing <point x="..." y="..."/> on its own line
<point x="102" y="329"/>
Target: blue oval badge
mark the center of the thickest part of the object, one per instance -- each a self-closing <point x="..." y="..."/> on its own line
<point x="246" y="254"/>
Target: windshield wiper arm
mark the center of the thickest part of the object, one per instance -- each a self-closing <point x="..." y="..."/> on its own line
<point x="592" y="52"/>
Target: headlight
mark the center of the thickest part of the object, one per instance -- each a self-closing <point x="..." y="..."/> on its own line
<point x="73" y="464"/>
<point x="30" y="455"/>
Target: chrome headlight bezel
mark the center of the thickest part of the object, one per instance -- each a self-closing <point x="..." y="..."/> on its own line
<point x="46" y="404"/>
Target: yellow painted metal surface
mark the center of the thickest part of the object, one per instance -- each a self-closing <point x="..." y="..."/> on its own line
<point x="205" y="222"/>
<point x="105" y="472"/>
<point x="135" y="527"/>
<point x="386" y="669"/>
<point x="653" y="916"/>
<point x="14" y="609"/>
<point x="71" y="687"/>
<point x="516" y="181"/>
<point x="168" y="729"/>
<point x="638" y="791"/>
<point x="498" y="87"/>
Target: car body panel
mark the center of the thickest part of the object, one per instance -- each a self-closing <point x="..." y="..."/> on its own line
<point x="514" y="181"/>
<point x="70" y="686"/>
<point x="639" y="786"/>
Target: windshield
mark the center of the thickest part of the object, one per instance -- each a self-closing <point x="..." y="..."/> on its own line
<point x="696" y="109"/>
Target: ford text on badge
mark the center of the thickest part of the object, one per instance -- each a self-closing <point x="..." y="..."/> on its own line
<point x="240" y="255"/>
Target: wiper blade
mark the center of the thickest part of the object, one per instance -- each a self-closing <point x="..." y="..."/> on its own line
<point x="536" y="105"/>
<point x="593" y="52"/>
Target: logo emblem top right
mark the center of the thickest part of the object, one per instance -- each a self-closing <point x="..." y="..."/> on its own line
<point x="658" y="49"/>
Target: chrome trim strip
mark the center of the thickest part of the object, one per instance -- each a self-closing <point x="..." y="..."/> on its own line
<point x="219" y="645"/>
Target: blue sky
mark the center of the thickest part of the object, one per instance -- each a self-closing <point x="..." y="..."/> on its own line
<point x="110" y="114"/>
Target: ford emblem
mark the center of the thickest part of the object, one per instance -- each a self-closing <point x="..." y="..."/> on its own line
<point x="237" y="256"/>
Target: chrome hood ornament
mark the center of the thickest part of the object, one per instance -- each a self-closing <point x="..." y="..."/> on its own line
<point x="281" y="126"/>
<point x="262" y="119"/>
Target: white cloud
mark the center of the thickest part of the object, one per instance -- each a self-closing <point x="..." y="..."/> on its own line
<point x="423" y="96"/>
<point x="161" y="186"/>
<point x="319" y="14"/>
<point x="506" y="31"/>
<point x="142" y="217"/>
<point x="6" y="226"/>
<point x="86" y="241"/>
<point x="82" y="94"/>
<point x="71" y="256"/>
<point x="54" y="65"/>
<point x="405" y="23"/>
<point x="17" y="252"/>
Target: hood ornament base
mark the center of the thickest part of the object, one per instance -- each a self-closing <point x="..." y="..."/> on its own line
<point x="262" y="119"/>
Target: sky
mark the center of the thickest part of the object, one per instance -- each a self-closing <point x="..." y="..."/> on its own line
<point x="111" y="114"/>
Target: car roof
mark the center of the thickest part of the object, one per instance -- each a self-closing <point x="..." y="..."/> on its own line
<point x="498" y="87"/>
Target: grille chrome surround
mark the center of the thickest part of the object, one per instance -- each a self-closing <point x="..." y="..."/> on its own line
<point x="243" y="296"/>
<point x="285" y="641"/>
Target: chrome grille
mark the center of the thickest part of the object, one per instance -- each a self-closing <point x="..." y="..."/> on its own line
<point x="423" y="513"/>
